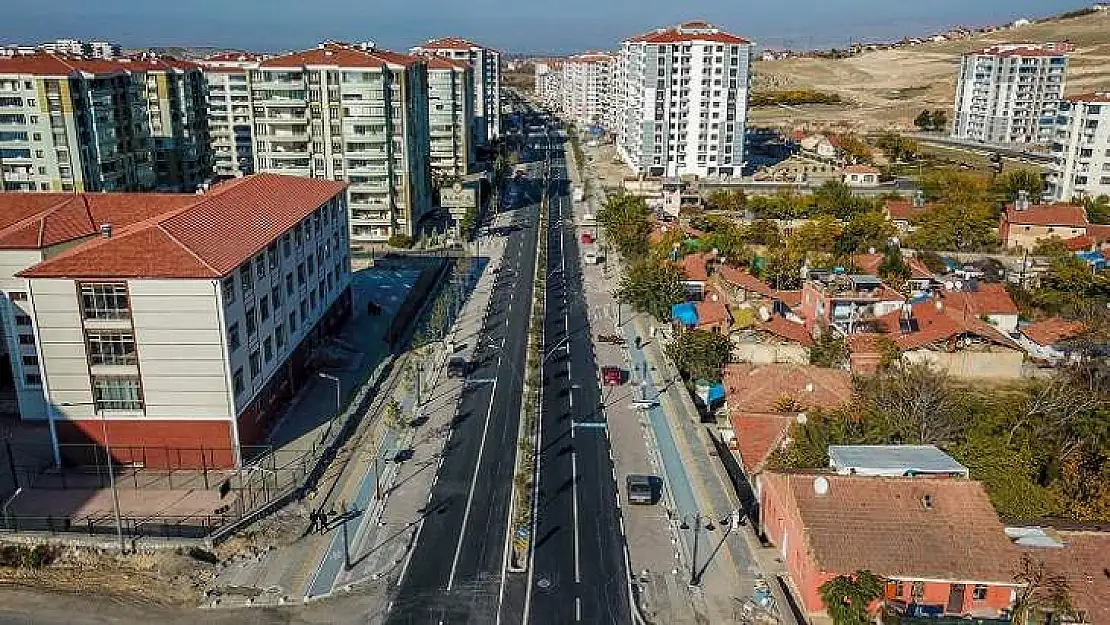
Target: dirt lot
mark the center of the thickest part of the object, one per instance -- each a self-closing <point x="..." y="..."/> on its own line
<point x="889" y="87"/>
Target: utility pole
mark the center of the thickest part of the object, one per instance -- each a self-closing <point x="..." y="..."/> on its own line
<point x="346" y="540"/>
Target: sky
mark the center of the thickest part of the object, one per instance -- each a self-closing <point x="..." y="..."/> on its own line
<point x="522" y="26"/>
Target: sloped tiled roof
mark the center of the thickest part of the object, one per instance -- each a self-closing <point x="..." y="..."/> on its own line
<point x="758" y="388"/>
<point x="329" y="54"/>
<point x="1052" y="331"/>
<point x="1048" y="215"/>
<point x="693" y="265"/>
<point x="882" y="524"/>
<point x="744" y="280"/>
<point x="42" y="220"/>
<point x="49" y="64"/>
<point x="793" y="299"/>
<point x="689" y="32"/>
<point x="861" y="169"/>
<point x="1094" y="97"/>
<point x="869" y="264"/>
<point x="190" y="236"/>
<point x="1085" y="561"/>
<point x="905" y="211"/>
<point x="449" y="43"/>
<point x="710" y="312"/>
<point x="989" y="299"/>
<point x="786" y="329"/>
<point x="758" y="436"/>
<point x="935" y="326"/>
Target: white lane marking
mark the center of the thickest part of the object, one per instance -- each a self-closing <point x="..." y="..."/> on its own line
<point x="574" y="496"/>
<point x="578" y="608"/>
<point x="473" y="483"/>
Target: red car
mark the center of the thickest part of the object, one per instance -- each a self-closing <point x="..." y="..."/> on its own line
<point x="587" y="238"/>
<point x="612" y="376"/>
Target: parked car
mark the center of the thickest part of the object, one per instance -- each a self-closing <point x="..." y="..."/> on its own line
<point x="639" y="489"/>
<point x="458" y="368"/>
<point x="612" y="376"/>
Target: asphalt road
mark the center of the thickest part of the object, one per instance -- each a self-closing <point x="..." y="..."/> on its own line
<point x="456" y="573"/>
<point x="579" y="571"/>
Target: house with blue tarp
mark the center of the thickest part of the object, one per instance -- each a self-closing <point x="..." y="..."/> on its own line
<point x="1094" y="259"/>
<point x="685" y="313"/>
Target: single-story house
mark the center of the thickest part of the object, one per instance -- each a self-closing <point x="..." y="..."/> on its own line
<point x="861" y="176"/>
<point x="985" y="300"/>
<point x="1024" y="225"/>
<point x="1047" y="340"/>
<point x="903" y="213"/>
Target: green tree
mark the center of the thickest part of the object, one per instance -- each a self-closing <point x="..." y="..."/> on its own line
<point x="819" y="234"/>
<point x="829" y="351"/>
<point x="855" y="149"/>
<point x="1010" y="183"/>
<point x="727" y="200"/>
<point x="894" y="270"/>
<point x="848" y="597"/>
<point x="956" y="227"/>
<point x="939" y="119"/>
<point x="699" y="354"/>
<point x="627" y="223"/>
<point x="865" y="231"/>
<point x="955" y="186"/>
<point x="924" y="120"/>
<point x="783" y="268"/>
<point x="729" y="241"/>
<point x="1098" y="209"/>
<point x="652" y="287"/>
<point x="763" y="232"/>
<point x="403" y="241"/>
<point x="394" y="417"/>
<point x="897" y="148"/>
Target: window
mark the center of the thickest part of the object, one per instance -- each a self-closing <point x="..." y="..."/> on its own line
<point x="26" y="339"/>
<point x="292" y="321"/>
<point x="279" y="336"/>
<point x="256" y="364"/>
<point x="106" y="300"/>
<point x="311" y="265"/>
<point x="289" y="284"/>
<point x="300" y="274"/>
<point x="260" y="266"/>
<point x="275" y="297"/>
<point x="264" y="308"/>
<point x="272" y="255"/>
<point x="22" y="320"/>
<point x="304" y="309"/>
<point x="229" y="289"/>
<point x="32" y="379"/>
<point x="917" y="591"/>
<point x="18" y="296"/>
<point x="245" y="276"/>
<point x="117" y="393"/>
<point x="111" y="348"/>
<point x="237" y="381"/>
<point x="979" y="593"/>
<point x="233" y="337"/>
<point x="268" y="349"/>
<point x="286" y="248"/>
<point x="252" y="322"/>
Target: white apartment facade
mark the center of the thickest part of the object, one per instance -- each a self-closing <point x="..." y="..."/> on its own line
<point x="351" y="113"/>
<point x="1009" y="93"/>
<point x="587" y="85"/>
<point x="1081" y="148"/>
<point x="180" y="322"/>
<point x="682" y="95"/>
<point x="486" y="63"/>
<point x="549" y="83"/>
<point x="230" y="114"/>
<point x="450" y="118"/>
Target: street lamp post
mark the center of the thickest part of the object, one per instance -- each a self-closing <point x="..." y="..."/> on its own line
<point x="338" y="385"/>
<point x="111" y="470"/>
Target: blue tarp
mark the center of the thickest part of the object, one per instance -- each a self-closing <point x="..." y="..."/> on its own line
<point x="1093" y="258"/>
<point x="685" y="313"/>
<point x="716" y="393"/>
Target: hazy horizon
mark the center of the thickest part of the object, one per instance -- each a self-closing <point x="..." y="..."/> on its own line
<point x="277" y="25"/>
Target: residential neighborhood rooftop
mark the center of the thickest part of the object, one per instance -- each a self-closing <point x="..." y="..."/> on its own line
<point x="893" y="461"/>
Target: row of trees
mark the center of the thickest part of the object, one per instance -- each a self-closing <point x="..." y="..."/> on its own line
<point x="931" y="120"/>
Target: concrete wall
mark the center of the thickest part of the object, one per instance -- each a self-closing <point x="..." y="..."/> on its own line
<point x="1004" y="365"/>
<point x="29" y="396"/>
<point x="768" y="354"/>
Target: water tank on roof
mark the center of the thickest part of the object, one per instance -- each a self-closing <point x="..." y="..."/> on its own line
<point x="821" y="485"/>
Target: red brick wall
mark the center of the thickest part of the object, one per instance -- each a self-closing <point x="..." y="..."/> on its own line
<point x="937" y="593"/>
<point x="179" y="443"/>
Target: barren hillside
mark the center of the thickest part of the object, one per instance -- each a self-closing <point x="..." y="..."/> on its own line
<point x="889" y="87"/>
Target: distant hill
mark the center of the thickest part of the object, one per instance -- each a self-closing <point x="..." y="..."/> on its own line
<point x="191" y="52"/>
<point x="889" y="87"/>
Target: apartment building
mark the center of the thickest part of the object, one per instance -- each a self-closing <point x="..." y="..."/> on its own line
<point x="73" y="124"/>
<point x="450" y="118"/>
<point x="587" y="84"/>
<point x="1009" y="93"/>
<point x="171" y="321"/>
<point x="352" y="113"/>
<point x="177" y="114"/>
<point x="682" y="96"/>
<point x="487" y="81"/>
<point x="230" y="124"/>
<point x="1080" y="148"/>
<point x="549" y="83"/>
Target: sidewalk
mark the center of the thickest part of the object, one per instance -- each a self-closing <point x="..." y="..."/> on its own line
<point x="379" y="531"/>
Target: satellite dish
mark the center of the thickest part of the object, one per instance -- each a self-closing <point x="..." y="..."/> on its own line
<point x="871" y="250"/>
<point x="764" y="314"/>
<point x="457" y="187"/>
<point x="950" y="285"/>
<point x="802" y="418"/>
<point x="821" y="486"/>
<point x="959" y="285"/>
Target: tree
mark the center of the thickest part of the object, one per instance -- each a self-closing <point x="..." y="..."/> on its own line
<point x="1010" y="183"/>
<point x="829" y="351"/>
<point x="1039" y="591"/>
<point x="699" y="354"/>
<point x="652" y="287"/>
<point x="727" y="200"/>
<point x="954" y="226"/>
<point x="865" y="231"/>
<point x="763" y="232"/>
<point x="403" y="241"/>
<point x="1098" y="209"/>
<point x="729" y="242"/>
<point x="955" y="186"/>
<point x="916" y="401"/>
<point x="819" y="234"/>
<point x="783" y="268"/>
<point x="848" y="597"/>
<point x="627" y="224"/>
<point x="855" y="149"/>
<point x="896" y="147"/>
<point x="394" y="417"/>
<point x="924" y="120"/>
<point x="894" y="270"/>
<point x="940" y="119"/>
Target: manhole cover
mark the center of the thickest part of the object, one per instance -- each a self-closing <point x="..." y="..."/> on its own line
<point x="544" y="582"/>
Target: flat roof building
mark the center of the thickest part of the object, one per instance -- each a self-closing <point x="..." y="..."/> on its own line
<point x="894" y="461"/>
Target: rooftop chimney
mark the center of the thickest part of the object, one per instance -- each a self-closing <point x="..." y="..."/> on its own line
<point x="1022" y="202"/>
<point x="919" y="199"/>
<point x="105" y="231"/>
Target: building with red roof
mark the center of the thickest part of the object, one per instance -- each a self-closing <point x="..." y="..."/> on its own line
<point x="177" y="323"/>
<point x="486" y="63"/>
<point x="705" y="70"/>
<point x="1024" y="225"/>
<point x="989" y="301"/>
<point x="1051" y="340"/>
<point x="373" y="104"/>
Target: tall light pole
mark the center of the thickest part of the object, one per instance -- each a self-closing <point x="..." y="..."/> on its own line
<point x="338" y="399"/>
<point x="111" y="469"/>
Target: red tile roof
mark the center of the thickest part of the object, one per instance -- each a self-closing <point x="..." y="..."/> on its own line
<point x="330" y="54"/>
<point x="693" y="265"/>
<point x="1048" y="215"/>
<point x="190" y="236"/>
<point x="1052" y="331"/>
<point x="690" y="32"/>
<point x="869" y="264"/>
<point x="1079" y="243"/>
<point x="784" y="328"/>
<point x="434" y="61"/>
<point x="41" y="220"/>
<point x="882" y="524"/>
<point x="1094" y="97"/>
<point x="759" y="388"/>
<point x="235" y="57"/>
<point x="793" y="299"/>
<point x="990" y="299"/>
<point x="758" y="436"/>
<point x="861" y="169"/>
<point x="741" y="279"/>
<point x="47" y="64"/>
<point x="936" y="326"/>
<point x="450" y="43"/>
<point x="905" y="211"/>
<point x="1099" y="233"/>
<point x="1084" y="561"/>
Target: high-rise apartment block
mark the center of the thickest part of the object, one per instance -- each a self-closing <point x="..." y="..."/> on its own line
<point x="229" y="112"/>
<point x="352" y="113"/>
<point x="1080" y="148"/>
<point x="587" y="90"/>
<point x="682" y="96"/>
<point x="450" y="116"/>
<point x="1008" y="93"/>
<point x="72" y="124"/>
<point x="177" y="325"/>
<point x="549" y="83"/>
<point x="486" y="63"/>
